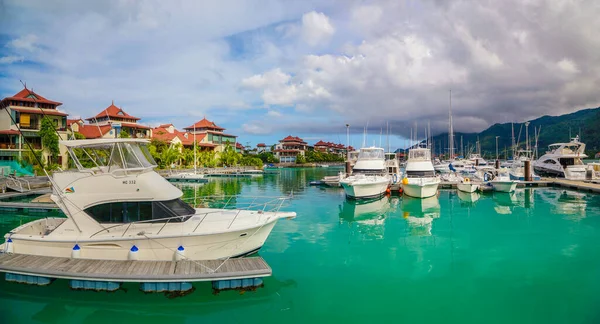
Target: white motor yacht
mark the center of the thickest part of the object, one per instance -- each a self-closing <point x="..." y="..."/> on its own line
<point x="119" y="208"/>
<point x="420" y="180"/>
<point x="563" y="160"/>
<point x="189" y="176"/>
<point x="369" y="177"/>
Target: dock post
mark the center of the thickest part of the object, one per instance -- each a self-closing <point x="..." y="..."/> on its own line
<point x="348" y="168"/>
<point x="527" y="170"/>
<point x="497" y="164"/>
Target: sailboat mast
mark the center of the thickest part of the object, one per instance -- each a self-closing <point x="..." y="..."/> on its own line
<point x="512" y="126"/>
<point x="195" y="160"/>
<point x="450" y="129"/>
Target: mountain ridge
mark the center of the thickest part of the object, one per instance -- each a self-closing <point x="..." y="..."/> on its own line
<point x="554" y="129"/>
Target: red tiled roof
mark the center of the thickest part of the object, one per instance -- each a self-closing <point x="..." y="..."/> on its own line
<point x="113" y="111"/>
<point x="52" y="112"/>
<point x="72" y="121"/>
<point x="238" y="145"/>
<point x="291" y="138"/>
<point x="219" y="133"/>
<point x="134" y="125"/>
<point x="281" y="150"/>
<point x="205" y="123"/>
<point x="164" y="126"/>
<point x="162" y="134"/>
<point x="93" y="131"/>
<point x="25" y="93"/>
<point x="9" y="132"/>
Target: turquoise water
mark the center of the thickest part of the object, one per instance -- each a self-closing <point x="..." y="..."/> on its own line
<point x="531" y="257"/>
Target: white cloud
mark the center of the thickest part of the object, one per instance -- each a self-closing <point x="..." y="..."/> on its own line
<point x="316" y="28"/>
<point x="568" y="66"/>
<point x="274" y="113"/>
<point x="256" y="129"/>
<point x="11" y="59"/>
<point x="366" y="16"/>
<point x="27" y="42"/>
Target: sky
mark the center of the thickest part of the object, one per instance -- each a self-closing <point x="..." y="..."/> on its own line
<point x="265" y="69"/>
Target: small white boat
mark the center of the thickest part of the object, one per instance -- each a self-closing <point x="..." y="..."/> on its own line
<point x="499" y="180"/>
<point x="187" y="177"/>
<point x="420" y="180"/>
<point x="467" y="186"/>
<point x="119" y="208"/>
<point x="369" y="177"/>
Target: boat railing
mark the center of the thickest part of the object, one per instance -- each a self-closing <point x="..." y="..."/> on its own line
<point x="261" y="204"/>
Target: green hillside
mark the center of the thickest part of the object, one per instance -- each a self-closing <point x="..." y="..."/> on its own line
<point x="554" y="129"/>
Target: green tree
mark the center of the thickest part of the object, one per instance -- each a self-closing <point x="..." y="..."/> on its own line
<point x="268" y="157"/>
<point x="124" y="134"/>
<point x="49" y="138"/>
<point x="229" y="157"/>
<point x="78" y="135"/>
<point x="300" y="159"/>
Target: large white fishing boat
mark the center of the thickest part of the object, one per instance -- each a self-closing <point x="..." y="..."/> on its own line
<point x="369" y="177"/>
<point x="119" y="208"/>
<point x="563" y="160"/>
<point x="420" y="180"/>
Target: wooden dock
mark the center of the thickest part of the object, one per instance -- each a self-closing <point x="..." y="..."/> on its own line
<point x="133" y="271"/>
<point x="28" y="206"/>
<point x="521" y="184"/>
<point x="589" y="186"/>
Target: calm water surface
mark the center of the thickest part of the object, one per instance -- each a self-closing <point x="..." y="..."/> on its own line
<point x="531" y="257"/>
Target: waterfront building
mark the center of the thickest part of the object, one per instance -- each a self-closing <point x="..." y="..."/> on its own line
<point x="170" y="135"/>
<point x="207" y="132"/>
<point x="110" y="122"/>
<point x="331" y="148"/>
<point x="289" y="148"/>
<point x="25" y="110"/>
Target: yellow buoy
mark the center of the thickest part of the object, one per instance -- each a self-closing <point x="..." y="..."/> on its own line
<point x="405" y="181"/>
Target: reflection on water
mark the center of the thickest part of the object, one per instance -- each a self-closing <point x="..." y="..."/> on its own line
<point x="468" y="198"/>
<point x="420" y="213"/>
<point x="368" y="215"/>
<point x="571" y="204"/>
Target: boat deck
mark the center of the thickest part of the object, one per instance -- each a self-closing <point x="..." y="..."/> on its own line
<point x="133" y="271"/>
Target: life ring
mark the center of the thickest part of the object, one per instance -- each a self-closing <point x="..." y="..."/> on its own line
<point x="394" y="178"/>
<point x="466" y="180"/>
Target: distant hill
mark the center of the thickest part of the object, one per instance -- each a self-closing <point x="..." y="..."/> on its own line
<point x="554" y="129"/>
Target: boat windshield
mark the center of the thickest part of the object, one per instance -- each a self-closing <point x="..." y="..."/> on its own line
<point x="370" y="154"/>
<point x="108" y="157"/>
<point x="419" y="154"/>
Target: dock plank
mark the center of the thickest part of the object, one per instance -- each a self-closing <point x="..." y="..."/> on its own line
<point x="133" y="271"/>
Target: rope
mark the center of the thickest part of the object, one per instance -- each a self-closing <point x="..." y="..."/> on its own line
<point x="200" y="264"/>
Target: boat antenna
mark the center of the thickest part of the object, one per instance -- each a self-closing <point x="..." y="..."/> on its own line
<point x="380" y="135"/>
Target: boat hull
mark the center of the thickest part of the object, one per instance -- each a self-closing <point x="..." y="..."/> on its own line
<point x="365" y="190"/>
<point x="467" y="187"/>
<point x="418" y="190"/>
<point x="504" y="186"/>
<point x="150" y="247"/>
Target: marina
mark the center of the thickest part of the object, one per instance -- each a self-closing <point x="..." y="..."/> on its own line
<point x="427" y="247"/>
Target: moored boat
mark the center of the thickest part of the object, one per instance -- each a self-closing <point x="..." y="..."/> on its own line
<point x="119" y="208"/>
<point x="420" y="180"/>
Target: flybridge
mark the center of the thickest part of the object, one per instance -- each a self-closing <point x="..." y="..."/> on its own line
<point x="110" y="155"/>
